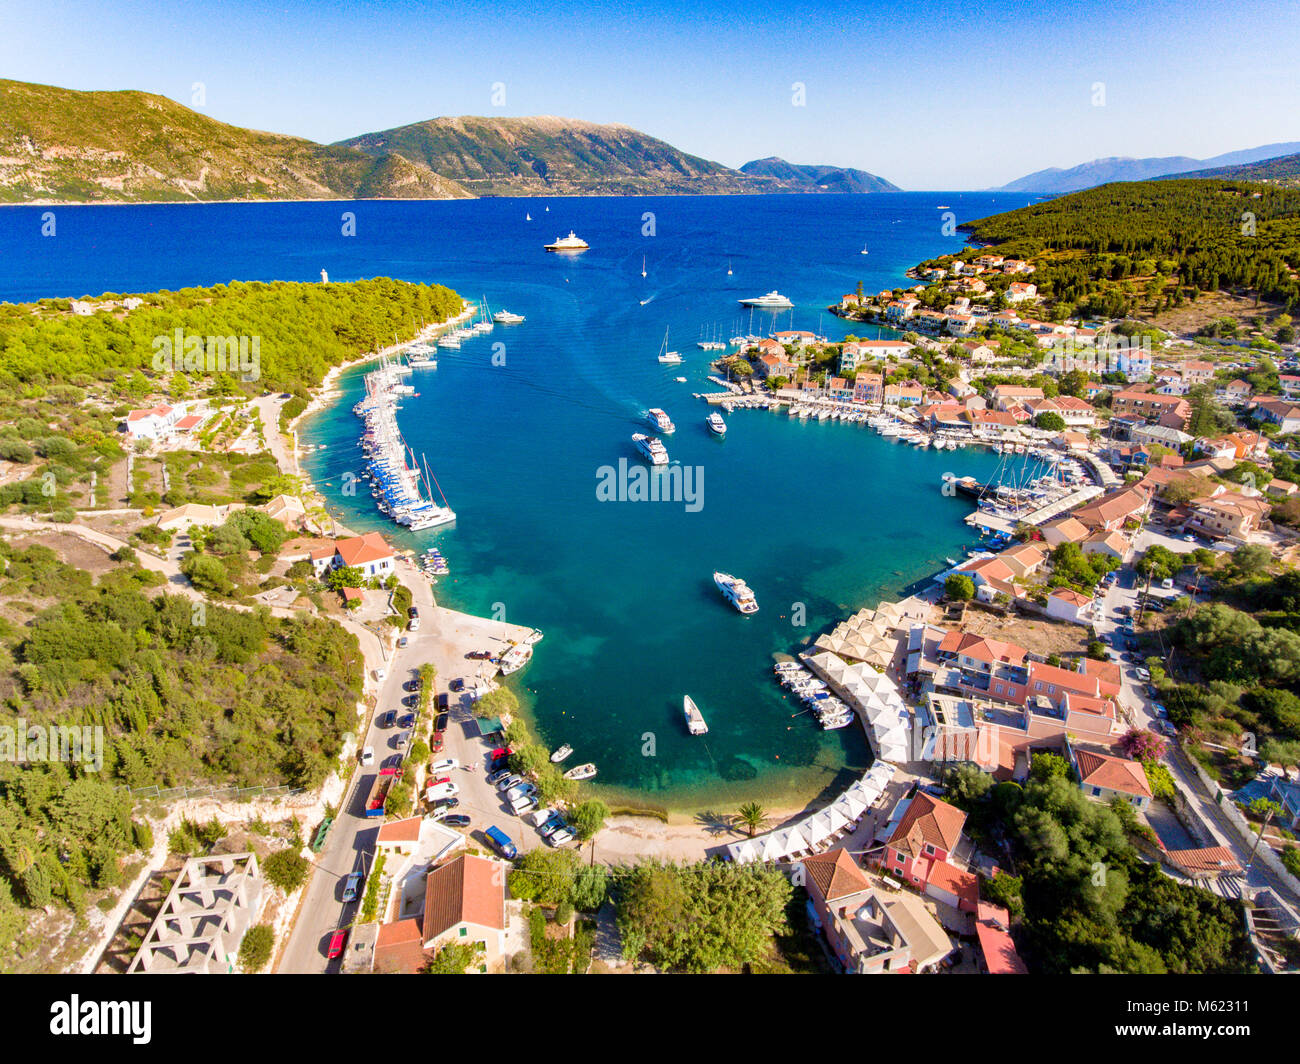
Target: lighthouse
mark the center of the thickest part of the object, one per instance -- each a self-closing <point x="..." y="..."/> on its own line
<point x="324" y="277"/>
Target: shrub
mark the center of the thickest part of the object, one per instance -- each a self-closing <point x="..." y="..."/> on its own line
<point x="285" y="869"/>
<point x="255" y="950"/>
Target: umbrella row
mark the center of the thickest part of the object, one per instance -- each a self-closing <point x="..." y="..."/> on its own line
<point x="816" y="828"/>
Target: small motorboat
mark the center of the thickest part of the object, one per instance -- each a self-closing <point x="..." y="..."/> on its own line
<point x="581" y="772"/>
<point x="560" y="754"/>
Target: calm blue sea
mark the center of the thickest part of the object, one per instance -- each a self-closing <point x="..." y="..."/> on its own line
<point x="819" y="518"/>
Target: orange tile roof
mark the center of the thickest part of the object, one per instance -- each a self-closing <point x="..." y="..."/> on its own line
<point x="1062" y="678"/>
<point x="467" y="889"/>
<point x="1215" y="859"/>
<point x="835" y="874"/>
<point x="399" y="947"/>
<point x="407" y="830"/>
<point x="928" y="820"/>
<point x="950" y="878"/>
<point x="1112" y="773"/>
<point x="361" y="549"/>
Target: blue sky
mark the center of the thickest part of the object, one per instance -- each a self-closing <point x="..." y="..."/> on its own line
<point x="936" y="95"/>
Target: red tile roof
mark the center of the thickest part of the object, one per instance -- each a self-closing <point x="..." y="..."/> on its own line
<point x="361" y="549"/>
<point x="468" y="890"/>
<point x="399" y="948"/>
<point x="1112" y="773"/>
<point x="835" y="874"/>
<point x="928" y="820"/>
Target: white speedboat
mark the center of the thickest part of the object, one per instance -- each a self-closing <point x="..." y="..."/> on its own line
<point x="651" y="448"/>
<point x="716" y="425"/>
<point x="695" y="723"/>
<point x="560" y="754"/>
<point x="581" y="772"/>
<point x="572" y="242"/>
<point x="737" y="592"/>
<point x="660" y="420"/>
<point x="504" y="317"/>
<point x="515" y="658"/>
<point x="772" y="300"/>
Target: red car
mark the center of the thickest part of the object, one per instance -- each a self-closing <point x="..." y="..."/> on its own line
<point x="436" y="746"/>
<point x="337" y="941"/>
<point x="500" y="752"/>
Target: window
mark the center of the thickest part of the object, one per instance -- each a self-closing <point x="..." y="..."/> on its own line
<point x="464" y="931"/>
<point x="928" y="848"/>
<point x="1096" y="791"/>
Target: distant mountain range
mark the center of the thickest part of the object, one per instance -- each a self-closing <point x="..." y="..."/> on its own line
<point x="557" y="156"/>
<point x="61" y="145"/>
<point x="1283" y="170"/>
<point x="1103" y="171"/>
<point x="818" y="178"/>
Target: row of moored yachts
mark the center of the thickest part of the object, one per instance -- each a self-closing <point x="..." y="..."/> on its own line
<point x="830" y="712"/>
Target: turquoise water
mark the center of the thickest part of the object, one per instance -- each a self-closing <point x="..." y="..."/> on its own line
<point x="829" y="516"/>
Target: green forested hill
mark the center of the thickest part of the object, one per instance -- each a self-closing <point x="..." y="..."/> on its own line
<point x="1283" y="170"/>
<point x="303" y="329"/>
<point x="64" y="145"/>
<point x="1105" y="248"/>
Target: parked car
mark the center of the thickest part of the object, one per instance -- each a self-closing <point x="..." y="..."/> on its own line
<point x="438" y="791"/>
<point x="1189" y="538"/>
<point x="380" y="675"/>
<point x="368" y="756"/>
<point x="560" y="837"/>
<point x="388" y="719"/>
<point x="443" y="804"/>
<point x="435" y="745"/>
<point x="411" y="685"/>
<point x="352" y="886"/>
<point x="502" y="842"/>
<point x="338" y="941"/>
<point x="1142" y="674"/>
<point x="507" y="781"/>
<point x="457" y="820"/>
<point x="479" y="655"/>
<point x="412" y="612"/>
<point x="447" y="764"/>
<point x="440" y="725"/>
<point x="402" y="740"/>
<point x="458" y="684"/>
<point x="1167" y="583"/>
<point x="403" y="642"/>
<point x="521" y="790"/>
<point x="408" y="721"/>
<point x="522" y="803"/>
<point x="554" y="824"/>
<point x="497" y="776"/>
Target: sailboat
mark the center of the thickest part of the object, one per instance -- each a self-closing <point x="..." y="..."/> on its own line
<point x="527" y="217"/>
<point x="864" y="249"/>
<point x="671" y="357"/>
<point x="642" y="265"/>
<point x="728" y="267"/>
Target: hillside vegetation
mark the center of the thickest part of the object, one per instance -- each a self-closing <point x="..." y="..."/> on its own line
<point x="69" y="146"/>
<point x="303" y="329"/>
<point x="1108" y="251"/>
<point x="561" y="156"/>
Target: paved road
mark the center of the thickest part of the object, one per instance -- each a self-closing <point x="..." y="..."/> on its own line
<point x="1142" y="714"/>
<point x="443" y="639"/>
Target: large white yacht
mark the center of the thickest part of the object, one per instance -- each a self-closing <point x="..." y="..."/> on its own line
<point x="572" y="242"/>
<point x="736" y="591"/>
<point x="773" y="299"/>
<point x="716" y="424"/>
<point x="660" y="420"/>
<point x="504" y="317"/>
<point x="651" y="448"/>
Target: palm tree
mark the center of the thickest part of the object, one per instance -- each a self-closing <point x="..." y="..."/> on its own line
<point x="753" y="816"/>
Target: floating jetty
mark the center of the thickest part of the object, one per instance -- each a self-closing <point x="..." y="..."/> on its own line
<point x="403" y="490"/>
